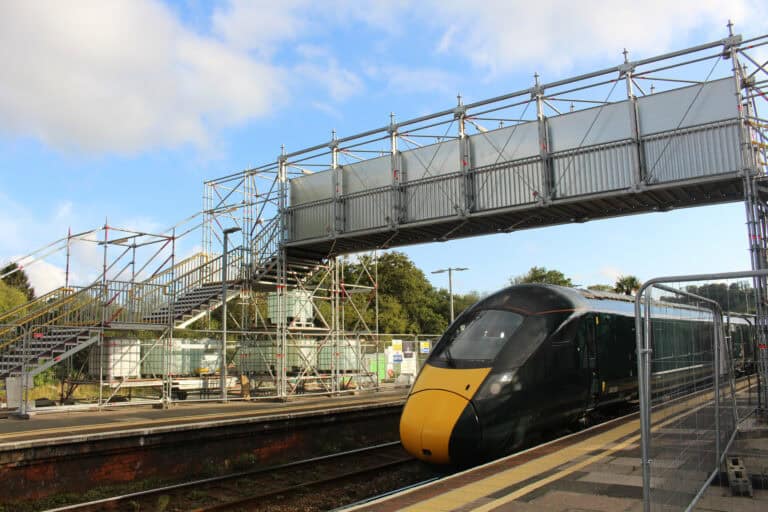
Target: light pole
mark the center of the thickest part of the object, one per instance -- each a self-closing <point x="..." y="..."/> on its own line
<point x="223" y="372"/>
<point x="450" y="271"/>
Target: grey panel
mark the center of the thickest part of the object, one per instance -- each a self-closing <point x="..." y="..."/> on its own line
<point x="434" y="198"/>
<point x="508" y="185"/>
<point x="505" y="145"/>
<point x="589" y="127"/>
<point x="313" y="187"/>
<point x="368" y="209"/>
<point x="669" y="110"/>
<point x="693" y="153"/>
<point x="366" y="175"/>
<point x="433" y="160"/>
<point x="311" y="220"/>
<point x="592" y="171"/>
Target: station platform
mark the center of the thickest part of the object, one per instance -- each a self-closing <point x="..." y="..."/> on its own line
<point x="113" y="421"/>
<point x="57" y="453"/>
<point x="597" y="469"/>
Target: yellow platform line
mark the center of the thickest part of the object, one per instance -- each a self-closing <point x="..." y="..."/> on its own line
<point x="481" y="489"/>
<point x="150" y="423"/>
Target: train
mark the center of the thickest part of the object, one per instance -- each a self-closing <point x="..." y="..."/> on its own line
<point x="537" y="357"/>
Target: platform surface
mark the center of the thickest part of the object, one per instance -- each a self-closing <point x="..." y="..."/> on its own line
<point x="597" y="469"/>
<point x="54" y="427"/>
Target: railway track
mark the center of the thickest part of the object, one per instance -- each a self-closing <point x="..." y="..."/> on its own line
<point x="320" y="483"/>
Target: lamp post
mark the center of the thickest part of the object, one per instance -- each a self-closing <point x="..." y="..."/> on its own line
<point x="223" y="372"/>
<point x="450" y="271"/>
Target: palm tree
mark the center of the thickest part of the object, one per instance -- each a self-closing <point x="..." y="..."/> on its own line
<point x="627" y="285"/>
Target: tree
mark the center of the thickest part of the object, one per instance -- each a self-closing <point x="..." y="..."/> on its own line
<point x="544" y="276"/>
<point x="600" y="287"/>
<point x="10" y="297"/>
<point x="18" y="279"/>
<point x="408" y="303"/>
<point x="626" y="285"/>
<point x="738" y="297"/>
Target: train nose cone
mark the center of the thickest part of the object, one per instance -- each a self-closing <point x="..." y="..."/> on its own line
<point x="431" y="419"/>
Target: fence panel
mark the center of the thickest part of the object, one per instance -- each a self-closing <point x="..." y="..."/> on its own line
<point x="691" y="353"/>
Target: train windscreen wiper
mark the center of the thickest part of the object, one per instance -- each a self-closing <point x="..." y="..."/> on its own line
<point x="449" y="358"/>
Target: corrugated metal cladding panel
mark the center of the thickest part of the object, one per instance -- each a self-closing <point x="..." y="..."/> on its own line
<point x="314" y="187"/>
<point x="509" y="185"/>
<point x="367" y="175"/>
<point x="367" y="210"/>
<point x="433" y="160"/>
<point x="434" y="198"/>
<point x="590" y="127"/>
<point x="693" y="153"/>
<point x="688" y="106"/>
<point x="598" y="169"/>
<point x="311" y="220"/>
<point x="505" y="144"/>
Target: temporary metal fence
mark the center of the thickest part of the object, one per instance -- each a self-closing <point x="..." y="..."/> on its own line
<point x="134" y="368"/>
<point x="690" y="352"/>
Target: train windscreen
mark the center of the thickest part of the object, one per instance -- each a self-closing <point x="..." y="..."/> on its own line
<point x="479" y="337"/>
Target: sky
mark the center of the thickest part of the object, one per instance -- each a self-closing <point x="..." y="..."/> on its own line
<point x="120" y="110"/>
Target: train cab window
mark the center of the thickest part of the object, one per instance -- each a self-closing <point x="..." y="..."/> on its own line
<point x="479" y="337"/>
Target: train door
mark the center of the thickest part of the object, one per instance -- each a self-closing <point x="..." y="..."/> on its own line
<point x="585" y="344"/>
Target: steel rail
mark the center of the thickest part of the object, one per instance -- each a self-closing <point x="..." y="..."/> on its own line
<point x="237" y="504"/>
<point x="221" y="478"/>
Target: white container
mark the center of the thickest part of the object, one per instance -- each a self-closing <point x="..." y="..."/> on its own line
<point x="298" y="307"/>
<point x="119" y="359"/>
<point x="261" y="356"/>
<point x="187" y="358"/>
<point x="344" y="358"/>
<point x="13" y="391"/>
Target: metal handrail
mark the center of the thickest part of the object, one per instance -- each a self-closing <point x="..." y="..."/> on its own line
<point x="186" y="265"/>
<point x="43" y="300"/>
<point x="39" y="319"/>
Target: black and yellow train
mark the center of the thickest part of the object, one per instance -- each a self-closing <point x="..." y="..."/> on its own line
<point x="537" y="357"/>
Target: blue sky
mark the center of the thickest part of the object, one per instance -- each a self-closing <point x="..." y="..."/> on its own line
<point x="121" y="109"/>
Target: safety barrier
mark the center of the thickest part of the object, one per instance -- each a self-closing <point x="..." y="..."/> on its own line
<point x="689" y="352"/>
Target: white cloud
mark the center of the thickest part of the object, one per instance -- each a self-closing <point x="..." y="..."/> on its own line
<point x="500" y="36"/>
<point x="129" y="76"/>
<point x="33" y="230"/>
<point x="260" y="26"/>
<point x="64" y="210"/>
<point x="327" y="109"/>
<point x="45" y="277"/>
<point x="320" y="67"/>
<point x="413" y="80"/>
<point x="611" y="274"/>
<point x="123" y="76"/>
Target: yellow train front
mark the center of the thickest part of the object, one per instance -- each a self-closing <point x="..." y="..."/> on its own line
<point x="520" y="361"/>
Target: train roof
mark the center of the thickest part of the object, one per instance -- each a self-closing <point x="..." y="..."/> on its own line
<point x="541" y="298"/>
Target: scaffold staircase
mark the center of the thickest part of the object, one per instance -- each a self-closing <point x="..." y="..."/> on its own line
<point x="37" y="335"/>
<point x="40" y="333"/>
<point x="297" y="270"/>
<point x="194" y="288"/>
<point x="193" y="305"/>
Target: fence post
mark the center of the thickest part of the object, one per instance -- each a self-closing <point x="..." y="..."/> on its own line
<point x="23" y="405"/>
<point x="643" y="373"/>
<point x="716" y="340"/>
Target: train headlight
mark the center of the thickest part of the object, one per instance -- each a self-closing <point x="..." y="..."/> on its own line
<point x="499" y="381"/>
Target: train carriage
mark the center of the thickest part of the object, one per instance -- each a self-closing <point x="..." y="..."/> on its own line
<point x="534" y="357"/>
